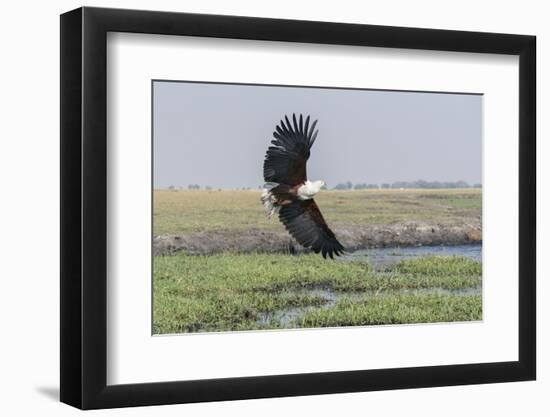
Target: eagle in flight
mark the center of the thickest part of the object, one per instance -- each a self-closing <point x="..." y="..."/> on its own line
<point x="288" y="192"/>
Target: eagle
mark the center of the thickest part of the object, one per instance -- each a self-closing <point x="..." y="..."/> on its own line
<point x="288" y="192"/>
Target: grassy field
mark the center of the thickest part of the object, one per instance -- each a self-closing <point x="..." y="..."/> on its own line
<point x="269" y="291"/>
<point x="178" y="212"/>
<point x="237" y="291"/>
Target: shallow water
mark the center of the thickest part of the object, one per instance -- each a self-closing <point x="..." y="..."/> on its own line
<point x="286" y="317"/>
<point x="381" y="257"/>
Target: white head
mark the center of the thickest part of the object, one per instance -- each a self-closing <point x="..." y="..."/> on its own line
<point x="309" y="189"/>
<point x="318" y="185"/>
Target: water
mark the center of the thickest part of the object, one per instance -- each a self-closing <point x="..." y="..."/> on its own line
<point x="287" y="317"/>
<point x="379" y="258"/>
<point x="382" y="257"/>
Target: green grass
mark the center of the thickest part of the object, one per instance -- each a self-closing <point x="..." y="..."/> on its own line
<point x="397" y="309"/>
<point x="179" y="212"/>
<point x="235" y="291"/>
<point x="440" y="266"/>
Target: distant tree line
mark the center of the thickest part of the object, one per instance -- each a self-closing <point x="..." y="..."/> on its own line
<point x="206" y="187"/>
<point x="365" y="186"/>
<point x="348" y="185"/>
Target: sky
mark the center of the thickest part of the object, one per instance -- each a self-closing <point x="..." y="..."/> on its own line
<point x="217" y="134"/>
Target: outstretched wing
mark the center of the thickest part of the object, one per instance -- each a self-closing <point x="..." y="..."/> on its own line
<point x="306" y="224"/>
<point x="286" y="158"/>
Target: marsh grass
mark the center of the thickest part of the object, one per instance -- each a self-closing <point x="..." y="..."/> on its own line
<point x="396" y="309"/>
<point x="234" y="291"/>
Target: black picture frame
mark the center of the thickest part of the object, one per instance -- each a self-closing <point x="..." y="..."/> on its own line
<point x="84" y="207"/>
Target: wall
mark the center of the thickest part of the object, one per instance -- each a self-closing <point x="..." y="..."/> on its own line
<point x="29" y="177"/>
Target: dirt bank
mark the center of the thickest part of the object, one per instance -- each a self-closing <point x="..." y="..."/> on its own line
<point x="353" y="238"/>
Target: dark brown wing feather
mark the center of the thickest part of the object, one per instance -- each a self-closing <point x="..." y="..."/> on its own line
<point x="286" y="158"/>
<point x="306" y="224"/>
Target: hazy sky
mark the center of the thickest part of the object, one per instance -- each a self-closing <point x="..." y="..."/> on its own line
<point x="217" y="135"/>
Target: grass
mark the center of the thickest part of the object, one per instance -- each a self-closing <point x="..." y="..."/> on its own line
<point x="184" y="211"/>
<point x="396" y="309"/>
<point x="248" y="292"/>
<point x="232" y="291"/>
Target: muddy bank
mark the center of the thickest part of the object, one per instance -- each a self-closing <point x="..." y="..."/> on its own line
<point x="353" y="238"/>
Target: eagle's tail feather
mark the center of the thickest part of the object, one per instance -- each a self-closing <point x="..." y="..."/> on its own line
<point x="269" y="200"/>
